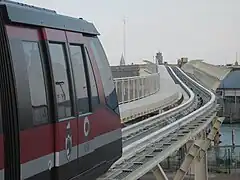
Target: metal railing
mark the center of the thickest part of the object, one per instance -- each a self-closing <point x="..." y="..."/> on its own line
<point x="134" y="88"/>
<point x="221" y="159"/>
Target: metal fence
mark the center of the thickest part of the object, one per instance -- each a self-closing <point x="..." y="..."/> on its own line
<point x="224" y="159"/>
<point x="221" y="159"/>
<point x="134" y="88"/>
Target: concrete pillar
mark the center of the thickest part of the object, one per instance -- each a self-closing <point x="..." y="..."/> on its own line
<point x="159" y="173"/>
<point x="192" y="167"/>
<point x="201" y="167"/>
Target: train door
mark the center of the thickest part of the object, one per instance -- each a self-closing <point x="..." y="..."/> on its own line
<point x="66" y="127"/>
<point x="87" y="99"/>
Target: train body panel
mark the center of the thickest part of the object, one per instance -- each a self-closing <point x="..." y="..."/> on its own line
<point x="59" y="88"/>
<point x="1" y="147"/>
<point x="1" y="157"/>
<point x="37" y="144"/>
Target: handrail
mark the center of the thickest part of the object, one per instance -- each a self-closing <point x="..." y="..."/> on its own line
<point x="133" y="88"/>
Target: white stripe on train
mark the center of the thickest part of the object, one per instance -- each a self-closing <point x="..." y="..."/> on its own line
<point x="2" y="174"/>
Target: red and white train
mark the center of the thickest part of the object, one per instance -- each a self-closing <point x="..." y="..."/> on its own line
<point x="59" y="114"/>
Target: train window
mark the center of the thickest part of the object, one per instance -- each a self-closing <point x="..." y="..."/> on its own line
<point x="36" y="82"/>
<point x="61" y="79"/>
<point x="105" y="72"/>
<point x="80" y="79"/>
<point x="95" y="98"/>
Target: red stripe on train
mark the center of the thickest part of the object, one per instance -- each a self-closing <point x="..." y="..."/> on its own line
<point x="1" y="152"/>
<point x="107" y="122"/>
<point x="24" y="33"/>
<point x="39" y="141"/>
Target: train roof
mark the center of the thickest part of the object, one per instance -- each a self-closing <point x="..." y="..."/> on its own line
<point x="32" y="15"/>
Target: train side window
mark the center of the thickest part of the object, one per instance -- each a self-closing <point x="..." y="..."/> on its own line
<point x="105" y="72"/>
<point x="95" y="98"/>
<point x="61" y="79"/>
<point x="80" y="79"/>
<point x="36" y="82"/>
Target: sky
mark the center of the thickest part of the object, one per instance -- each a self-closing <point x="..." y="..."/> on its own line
<point x="199" y="29"/>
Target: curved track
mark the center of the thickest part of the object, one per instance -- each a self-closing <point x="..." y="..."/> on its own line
<point x="145" y="153"/>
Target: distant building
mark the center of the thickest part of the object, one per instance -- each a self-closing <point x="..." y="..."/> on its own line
<point x="229" y="90"/>
<point x="122" y="61"/>
<point x="182" y="61"/>
<point x="125" y="71"/>
<point x="159" y="58"/>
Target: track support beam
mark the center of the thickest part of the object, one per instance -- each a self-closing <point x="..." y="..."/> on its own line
<point x="197" y="152"/>
<point x="159" y="173"/>
<point x="201" y="168"/>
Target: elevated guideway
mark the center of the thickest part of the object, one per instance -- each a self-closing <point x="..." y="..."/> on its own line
<point x="147" y="143"/>
<point x="143" y="95"/>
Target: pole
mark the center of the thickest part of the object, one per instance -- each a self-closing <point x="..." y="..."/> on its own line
<point x="229" y="162"/>
<point x="233" y="138"/>
<point x="124" y="39"/>
<point x="236" y="56"/>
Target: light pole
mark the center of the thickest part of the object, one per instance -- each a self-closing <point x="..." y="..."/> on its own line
<point x="124" y="39"/>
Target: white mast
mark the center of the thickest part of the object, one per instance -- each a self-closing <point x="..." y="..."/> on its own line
<point x="124" y="39"/>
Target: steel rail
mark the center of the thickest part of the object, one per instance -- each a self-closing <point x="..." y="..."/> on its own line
<point x="141" y="129"/>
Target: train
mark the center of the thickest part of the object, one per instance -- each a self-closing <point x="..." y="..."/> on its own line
<point x="59" y="113"/>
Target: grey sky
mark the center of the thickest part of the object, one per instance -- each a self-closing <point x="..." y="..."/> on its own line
<point x="204" y="29"/>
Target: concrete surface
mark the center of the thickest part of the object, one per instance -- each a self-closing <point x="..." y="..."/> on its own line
<point x="167" y="88"/>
